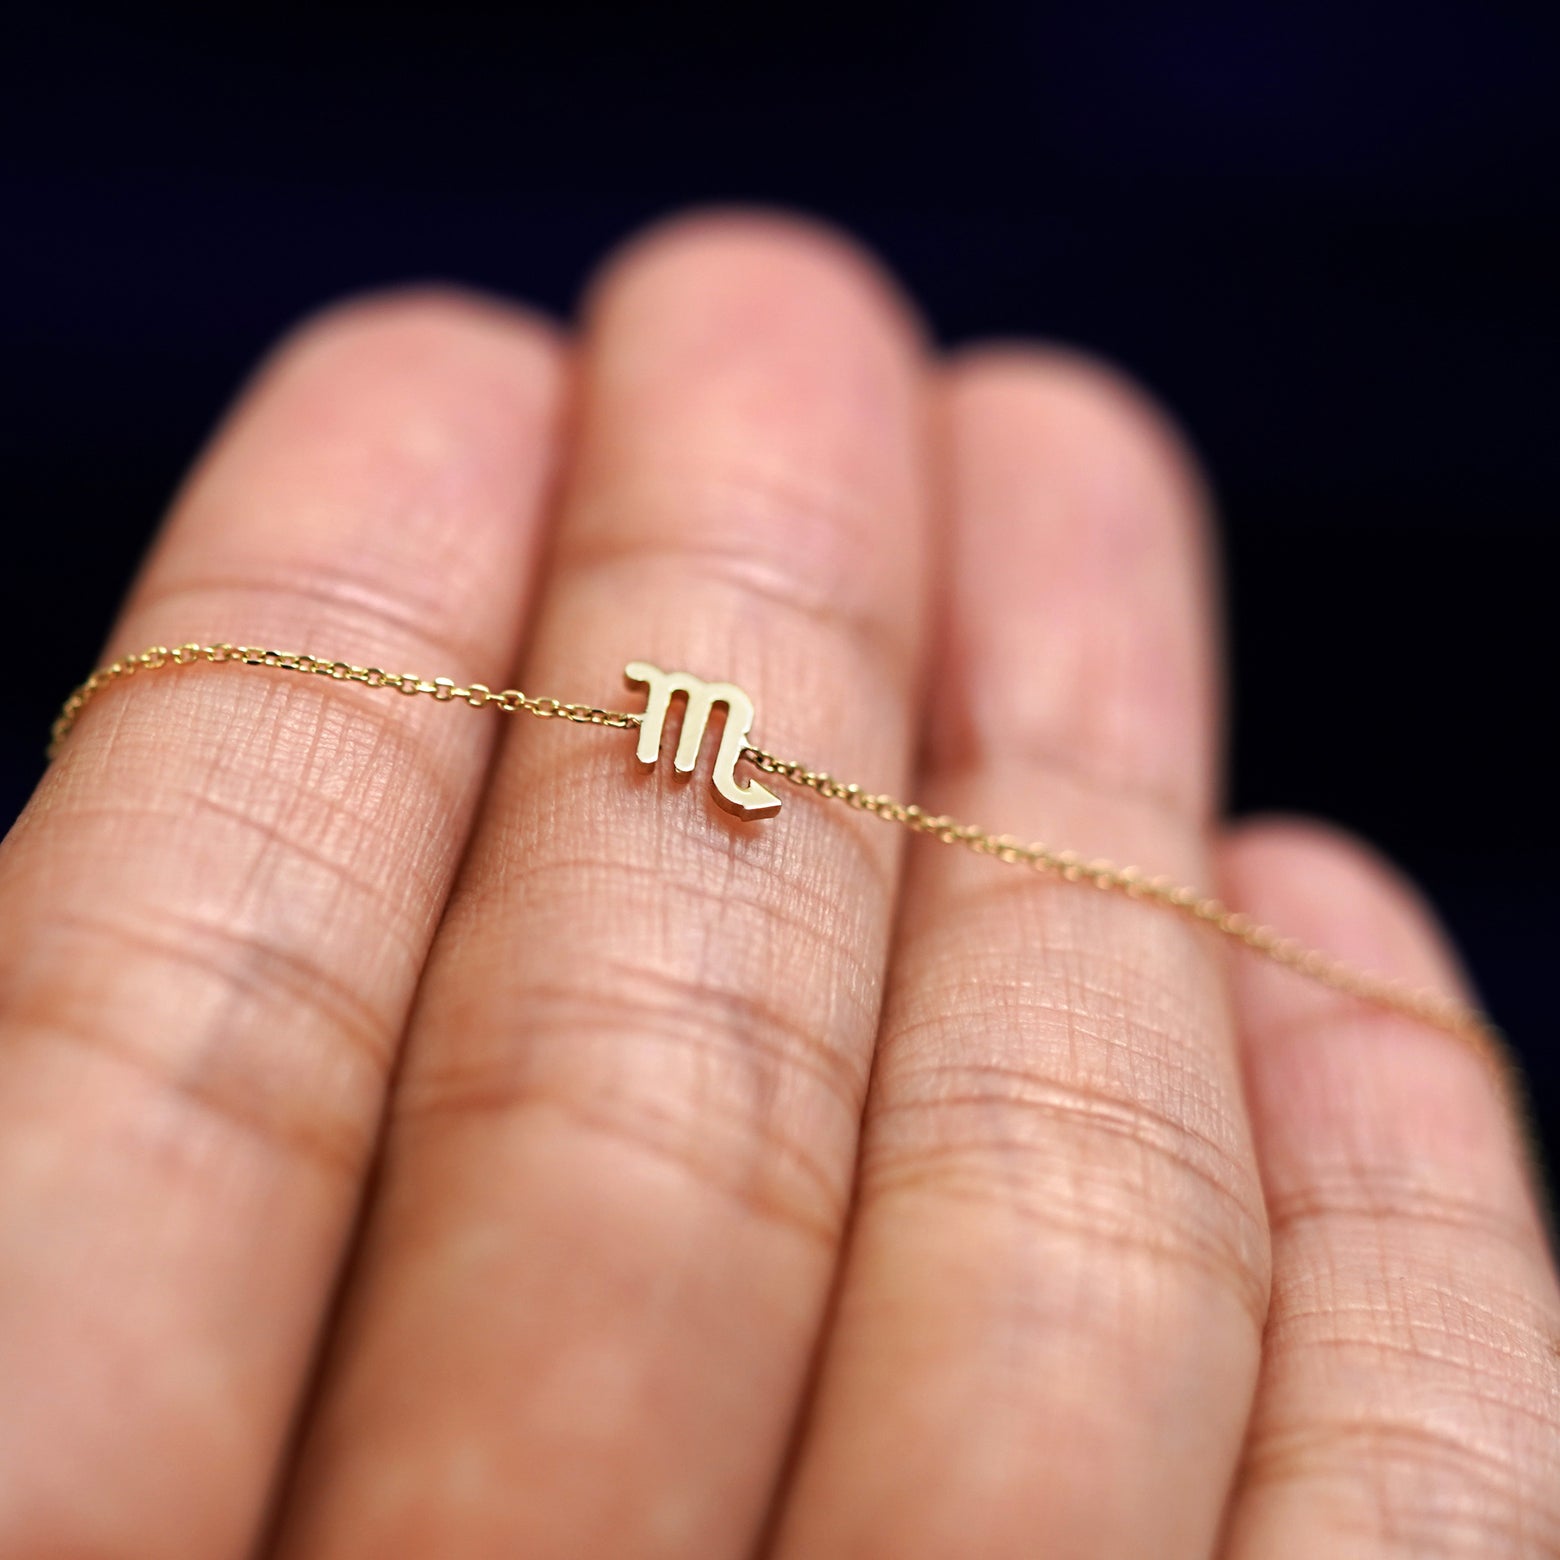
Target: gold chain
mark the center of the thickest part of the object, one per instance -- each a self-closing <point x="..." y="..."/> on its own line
<point x="509" y="700"/>
<point x="1428" y="1007"/>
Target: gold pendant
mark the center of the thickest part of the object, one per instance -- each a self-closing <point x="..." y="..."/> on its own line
<point x="745" y="798"/>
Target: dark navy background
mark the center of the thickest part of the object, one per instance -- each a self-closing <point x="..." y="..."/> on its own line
<point x="1327" y="235"/>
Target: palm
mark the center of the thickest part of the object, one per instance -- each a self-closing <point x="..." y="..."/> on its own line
<point x="634" y="1066"/>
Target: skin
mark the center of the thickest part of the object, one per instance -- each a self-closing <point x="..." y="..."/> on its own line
<point x="424" y="1134"/>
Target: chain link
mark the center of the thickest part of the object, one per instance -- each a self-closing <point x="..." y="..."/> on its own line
<point x="1428" y="1007"/>
<point x="508" y="701"/>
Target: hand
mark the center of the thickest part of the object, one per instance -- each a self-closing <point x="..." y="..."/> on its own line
<point x="1151" y="1252"/>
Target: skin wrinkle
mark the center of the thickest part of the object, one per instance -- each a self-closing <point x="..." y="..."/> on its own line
<point x="1014" y="893"/>
<point x="281" y="817"/>
<point x="717" y="1025"/>
<point x="251" y="750"/>
<point x="239" y="965"/>
<point x="780" y="919"/>
<point x="971" y="1001"/>
<point x="1021" y="1094"/>
<point x="1318" y="1326"/>
<point x="1376" y="1351"/>
<point x="337" y="1150"/>
<point x="711" y="846"/>
<point x="1447" y="1298"/>
<point x="337" y="867"/>
<point x="1327" y="1338"/>
<point x="348" y="772"/>
<point x="1009" y="747"/>
<point x="806" y="907"/>
<point x="398" y="936"/>
<point x="1433" y="1459"/>
<point x="264" y="966"/>
<point x="1385" y="1199"/>
<point x="680" y="1137"/>
<point x="532" y="888"/>
<point x="1007" y="999"/>
<point x="788" y="1048"/>
<point x="505" y="872"/>
<point x="760" y="1041"/>
<point x="928" y="1166"/>
<point x="1486" y="1334"/>
<point x="1321" y="1019"/>
<point x="720" y="561"/>
<point x="322" y="598"/>
<point x="1158" y="1133"/>
<point x="1104" y="1228"/>
<point x="1100" y="1106"/>
<point x="1034" y="1004"/>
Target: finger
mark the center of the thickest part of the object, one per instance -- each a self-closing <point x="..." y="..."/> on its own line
<point x="216" y="909"/>
<point x="622" y="1148"/>
<point x="1410" y="1393"/>
<point x="1048" y="1321"/>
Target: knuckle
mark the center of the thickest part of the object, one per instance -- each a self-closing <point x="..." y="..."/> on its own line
<point x="751" y="1085"/>
<point x="1099" y="1173"/>
<point x="683" y="1097"/>
<point x="1398" y="1202"/>
<point x="234" y="993"/>
<point x="1419" y="1484"/>
<point x="1111" y="1172"/>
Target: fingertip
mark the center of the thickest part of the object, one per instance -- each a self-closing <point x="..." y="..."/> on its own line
<point x="784" y="252"/>
<point x="1098" y="400"/>
<point x="434" y="322"/>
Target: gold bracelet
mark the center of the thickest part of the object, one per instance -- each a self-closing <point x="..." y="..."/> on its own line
<point x="749" y="799"/>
